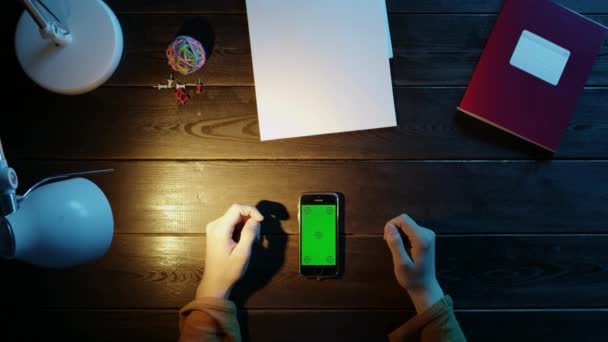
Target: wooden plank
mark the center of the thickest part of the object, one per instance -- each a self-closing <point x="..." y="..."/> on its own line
<point x="148" y="271"/>
<point x="394" y="6"/>
<point x="524" y="325"/>
<point x="483" y="6"/>
<point x="330" y="325"/>
<point x="449" y="197"/>
<point x="428" y="49"/>
<point x="444" y="49"/>
<point x="222" y="123"/>
<point x="147" y="36"/>
<point x="177" y="6"/>
<point x="370" y="325"/>
<point x="88" y="325"/>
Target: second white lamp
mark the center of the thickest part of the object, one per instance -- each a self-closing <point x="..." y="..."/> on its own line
<point x="63" y="223"/>
<point x="68" y="46"/>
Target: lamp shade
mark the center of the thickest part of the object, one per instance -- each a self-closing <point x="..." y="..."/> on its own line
<point x="62" y="224"/>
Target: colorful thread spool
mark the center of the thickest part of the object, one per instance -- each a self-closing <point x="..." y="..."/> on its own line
<point x="186" y="55"/>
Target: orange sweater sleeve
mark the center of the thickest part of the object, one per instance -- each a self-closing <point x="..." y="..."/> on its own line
<point x="209" y="319"/>
<point x="437" y="324"/>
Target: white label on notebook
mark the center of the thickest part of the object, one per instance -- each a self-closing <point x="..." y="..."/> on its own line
<point x="540" y="57"/>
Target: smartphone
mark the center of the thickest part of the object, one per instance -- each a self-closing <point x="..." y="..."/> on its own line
<point x="319" y="216"/>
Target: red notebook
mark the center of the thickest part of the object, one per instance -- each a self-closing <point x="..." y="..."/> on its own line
<point x="533" y="70"/>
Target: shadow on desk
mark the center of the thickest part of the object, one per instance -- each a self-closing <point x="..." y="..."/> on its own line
<point x="486" y="133"/>
<point x="267" y="258"/>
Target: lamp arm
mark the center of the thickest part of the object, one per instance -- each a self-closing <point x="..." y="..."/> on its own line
<point x="2" y="157"/>
<point x="64" y="176"/>
<point x="8" y="187"/>
<point x="50" y="26"/>
<point x="7" y="197"/>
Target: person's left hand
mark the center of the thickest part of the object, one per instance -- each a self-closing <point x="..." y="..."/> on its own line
<point x="226" y="260"/>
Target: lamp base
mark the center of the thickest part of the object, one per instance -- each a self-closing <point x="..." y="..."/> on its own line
<point x="80" y="66"/>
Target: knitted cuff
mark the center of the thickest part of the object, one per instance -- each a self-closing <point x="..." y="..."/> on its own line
<point x="441" y="307"/>
<point x="219" y="304"/>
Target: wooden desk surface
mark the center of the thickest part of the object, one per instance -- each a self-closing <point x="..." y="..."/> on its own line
<point x="522" y="235"/>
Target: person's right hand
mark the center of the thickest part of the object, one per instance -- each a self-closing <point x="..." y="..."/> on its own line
<point x="226" y="260"/>
<point x="415" y="271"/>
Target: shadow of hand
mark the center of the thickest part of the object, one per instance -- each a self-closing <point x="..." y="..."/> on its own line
<point x="267" y="255"/>
<point x="267" y="258"/>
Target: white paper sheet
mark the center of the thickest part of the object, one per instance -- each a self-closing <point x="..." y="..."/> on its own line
<point x="320" y="66"/>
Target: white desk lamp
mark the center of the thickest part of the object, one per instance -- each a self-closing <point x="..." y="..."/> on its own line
<point x="59" y="224"/>
<point x="68" y="46"/>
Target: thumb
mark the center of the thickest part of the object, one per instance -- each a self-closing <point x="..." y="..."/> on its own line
<point x="250" y="232"/>
<point x="395" y="244"/>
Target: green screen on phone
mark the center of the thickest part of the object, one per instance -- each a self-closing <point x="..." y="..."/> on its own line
<point x="318" y="235"/>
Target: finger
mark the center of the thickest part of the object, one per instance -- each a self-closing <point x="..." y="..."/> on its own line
<point x="236" y="214"/>
<point x="395" y="244"/>
<point x="425" y="245"/>
<point x="212" y="225"/>
<point x="250" y="232"/>
<point x="407" y="225"/>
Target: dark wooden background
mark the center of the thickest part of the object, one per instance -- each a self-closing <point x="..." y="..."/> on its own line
<point x="522" y="235"/>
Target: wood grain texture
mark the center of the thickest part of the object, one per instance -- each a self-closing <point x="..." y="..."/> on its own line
<point x="371" y="325"/>
<point x="149" y="271"/>
<point x="444" y="49"/>
<point x="177" y="6"/>
<point x="521" y="245"/>
<point x="449" y="197"/>
<point x="91" y="325"/>
<point x="147" y="36"/>
<point x="394" y="6"/>
<point x="329" y="325"/>
<point x="483" y="6"/>
<point x="222" y="123"/>
<point x="428" y="49"/>
<point x="522" y="325"/>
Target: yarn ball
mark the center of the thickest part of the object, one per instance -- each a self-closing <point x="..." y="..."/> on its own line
<point x="186" y="55"/>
